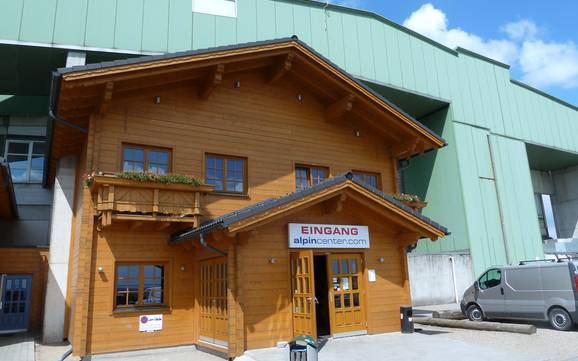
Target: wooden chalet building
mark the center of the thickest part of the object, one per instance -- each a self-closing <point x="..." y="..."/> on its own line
<point x="265" y="211"/>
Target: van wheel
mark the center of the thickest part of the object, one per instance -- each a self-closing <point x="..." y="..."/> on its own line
<point x="474" y="313"/>
<point x="560" y="319"/>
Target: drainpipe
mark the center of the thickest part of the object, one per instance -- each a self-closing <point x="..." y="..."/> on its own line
<point x="204" y="243"/>
<point x="453" y="261"/>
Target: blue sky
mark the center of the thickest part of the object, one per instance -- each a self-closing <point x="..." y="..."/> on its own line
<point x="538" y="38"/>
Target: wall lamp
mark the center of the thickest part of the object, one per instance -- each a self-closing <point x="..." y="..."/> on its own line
<point x="272" y="260"/>
<point x="381" y="260"/>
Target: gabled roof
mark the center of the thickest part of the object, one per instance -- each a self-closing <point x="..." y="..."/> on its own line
<point x="259" y="212"/>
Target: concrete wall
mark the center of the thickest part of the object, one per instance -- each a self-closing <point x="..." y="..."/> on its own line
<point x="432" y="277"/>
<point x="566" y="202"/>
<point x="60" y="236"/>
<point x="32" y="226"/>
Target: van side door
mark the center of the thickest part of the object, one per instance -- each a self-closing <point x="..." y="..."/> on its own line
<point x="524" y="293"/>
<point x="491" y="294"/>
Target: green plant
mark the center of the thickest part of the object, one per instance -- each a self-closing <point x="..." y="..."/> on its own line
<point x="159" y="178"/>
<point x="402" y="197"/>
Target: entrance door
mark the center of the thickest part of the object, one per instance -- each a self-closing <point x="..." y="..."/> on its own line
<point x="15" y="297"/>
<point x="213" y="301"/>
<point x="346" y="311"/>
<point x="303" y="293"/>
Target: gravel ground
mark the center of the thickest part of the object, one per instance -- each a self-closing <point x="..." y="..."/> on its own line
<point x="545" y="344"/>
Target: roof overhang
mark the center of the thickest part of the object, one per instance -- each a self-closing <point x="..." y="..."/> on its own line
<point x="79" y="92"/>
<point x="343" y="186"/>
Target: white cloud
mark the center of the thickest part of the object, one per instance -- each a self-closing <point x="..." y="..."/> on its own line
<point x="521" y="30"/>
<point x="549" y="64"/>
<point x="543" y="64"/>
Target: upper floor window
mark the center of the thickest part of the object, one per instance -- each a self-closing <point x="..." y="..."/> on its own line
<point x="139" y="284"/>
<point x="216" y="7"/>
<point x="26" y="160"/>
<point x="306" y="176"/>
<point x="368" y="178"/>
<point x="146" y="159"/>
<point x="227" y="173"/>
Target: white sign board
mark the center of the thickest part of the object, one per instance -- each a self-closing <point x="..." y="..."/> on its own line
<point x="150" y="323"/>
<point x="371" y="275"/>
<point x="303" y="235"/>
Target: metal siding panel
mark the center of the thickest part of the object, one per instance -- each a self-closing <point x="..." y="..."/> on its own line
<point x="128" y="24"/>
<point x="246" y="21"/>
<point x="380" y="58"/>
<point x="335" y="38"/>
<point x="502" y="98"/>
<point x="38" y="21"/>
<point x="155" y="25"/>
<point x="11" y="18"/>
<point x="204" y="31"/>
<point x="393" y="56"/>
<point x="225" y="30"/>
<point x="366" y="47"/>
<point x="469" y="111"/>
<point x="351" y="43"/>
<point x="431" y="69"/>
<point x="302" y="23"/>
<point x="418" y="65"/>
<point x="180" y="25"/>
<point x="318" y="31"/>
<point x="283" y="19"/>
<point x="100" y="23"/>
<point x="481" y="149"/>
<point x="407" y="74"/>
<point x="516" y="198"/>
<point x="265" y="20"/>
<point x="70" y="23"/>
<point x="443" y="78"/>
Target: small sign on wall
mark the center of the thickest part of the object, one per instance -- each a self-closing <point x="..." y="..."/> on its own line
<point x="150" y="323"/>
<point x="371" y="275"/>
<point x="328" y="236"/>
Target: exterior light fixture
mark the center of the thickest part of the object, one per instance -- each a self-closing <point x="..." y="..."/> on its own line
<point x="157" y="99"/>
<point x="182" y="268"/>
<point x="100" y="270"/>
<point x="357" y="133"/>
<point x="237" y="84"/>
<point x="300" y="97"/>
<point x="381" y="260"/>
<point x="272" y="260"/>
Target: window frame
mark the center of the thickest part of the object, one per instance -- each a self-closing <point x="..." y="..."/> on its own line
<point x="485" y="274"/>
<point x="140" y="301"/>
<point x="309" y="168"/>
<point x="366" y="173"/>
<point x="146" y="149"/>
<point x="30" y="143"/>
<point x="226" y="157"/>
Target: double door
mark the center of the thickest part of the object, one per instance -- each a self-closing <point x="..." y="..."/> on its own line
<point x="15" y="299"/>
<point x="345" y="293"/>
<point x="213" y="301"/>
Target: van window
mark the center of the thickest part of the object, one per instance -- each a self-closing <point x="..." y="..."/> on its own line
<point x="490" y="279"/>
<point x="524" y="279"/>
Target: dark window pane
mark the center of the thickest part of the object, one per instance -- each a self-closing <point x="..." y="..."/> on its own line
<point x="39" y="148"/>
<point x="356" y="300"/>
<point x="335" y="266"/>
<point x="18" y="148"/>
<point x="353" y="266"/>
<point x="354" y="285"/>
<point x="121" y="298"/>
<point x="344" y="266"/>
<point x="346" y="300"/>
<point x="337" y="301"/>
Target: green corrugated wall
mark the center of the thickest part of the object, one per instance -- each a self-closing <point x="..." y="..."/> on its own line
<point x="477" y="181"/>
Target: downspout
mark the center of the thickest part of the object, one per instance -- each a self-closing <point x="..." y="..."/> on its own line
<point x="204" y="243"/>
<point x="453" y="261"/>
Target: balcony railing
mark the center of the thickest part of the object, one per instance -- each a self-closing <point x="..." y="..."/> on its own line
<point x="120" y="199"/>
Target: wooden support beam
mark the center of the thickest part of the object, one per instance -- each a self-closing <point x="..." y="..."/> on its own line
<point x="407" y="238"/>
<point x="212" y="81"/>
<point x="163" y="225"/>
<point x="340" y="107"/>
<point x="135" y="224"/>
<point x="280" y="69"/>
<point x="335" y="204"/>
<point x="403" y="150"/>
<point x="106" y="97"/>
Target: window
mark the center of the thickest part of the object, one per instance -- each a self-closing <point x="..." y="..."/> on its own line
<point x="145" y="159"/>
<point x="26" y="160"/>
<point x="546" y="216"/>
<point x="140" y="284"/>
<point x="371" y="179"/>
<point x="306" y="176"/>
<point x="228" y="174"/>
<point x="490" y="279"/>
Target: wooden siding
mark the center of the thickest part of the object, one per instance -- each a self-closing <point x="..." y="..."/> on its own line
<point x="266" y="290"/>
<point x="266" y="124"/>
<point x="33" y="261"/>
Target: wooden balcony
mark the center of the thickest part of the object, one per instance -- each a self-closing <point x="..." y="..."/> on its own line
<point x="118" y="199"/>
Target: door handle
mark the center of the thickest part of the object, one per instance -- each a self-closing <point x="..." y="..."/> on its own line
<point x="313" y="300"/>
<point x="502" y="290"/>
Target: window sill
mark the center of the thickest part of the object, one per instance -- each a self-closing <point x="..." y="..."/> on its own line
<point x="226" y="194"/>
<point x="121" y="311"/>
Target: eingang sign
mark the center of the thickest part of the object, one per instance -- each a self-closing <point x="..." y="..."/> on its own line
<point x="303" y="235"/>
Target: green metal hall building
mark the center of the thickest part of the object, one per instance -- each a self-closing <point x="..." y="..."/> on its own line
<point x="506" y="185"/>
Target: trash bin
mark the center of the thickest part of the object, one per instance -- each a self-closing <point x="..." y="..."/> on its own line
<point x="303" y="348"/>
<point x="406" y="315"/>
